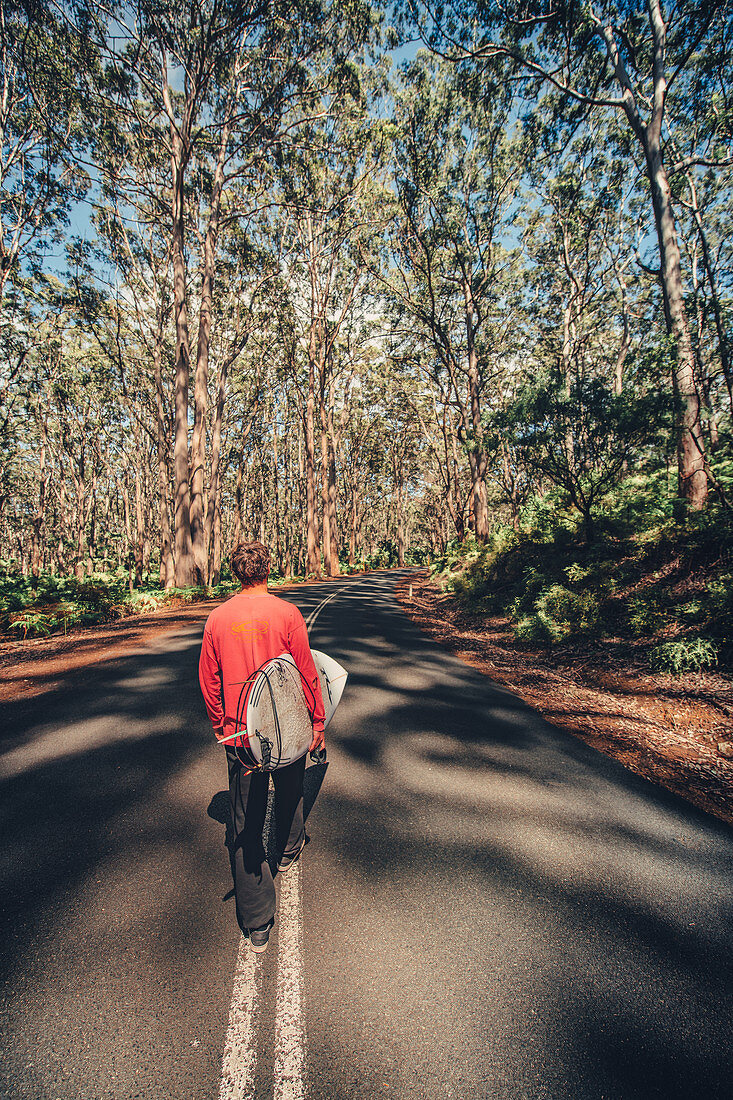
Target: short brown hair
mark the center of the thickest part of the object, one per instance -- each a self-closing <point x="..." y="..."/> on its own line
<point x="250" y="563"/>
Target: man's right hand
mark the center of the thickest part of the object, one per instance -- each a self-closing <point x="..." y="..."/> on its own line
<point x="319" y="741"/>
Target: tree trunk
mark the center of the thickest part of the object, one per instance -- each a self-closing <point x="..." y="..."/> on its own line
<point x="314" y="560"/>
<point x="139" y="526"/>
<point x="36" y="551"/>
<point x="185" y="564"/>
<point x="289" y="509"/>
<point x="276" y="499"/>
<point x="214" y="502"/>
<point x="62" y="521"/>
<point x="400" y="522"/>
<point x="167" y="569"/>
<point x="80" y="520"/>
<point x="128" y="532"/>
<point x="238" y="494"/>
<point x="692" y="477"/>
<point x="261" y="534"/>
<point x="217" y="546"/>
<point x="92" y="519"/>
<point x="720" y="330"/>
<point x="478" y="466"/>
<point x="325" y="524"/>
<point x="567" y="375"/>
<point x="353" y="527"/>
<point x="334" y="568"/>
<point x="452" y="500"/>
<point x="332" y="485"/>
<point x="200" y="527"/>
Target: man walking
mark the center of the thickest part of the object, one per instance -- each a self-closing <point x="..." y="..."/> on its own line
<point x="240" y="636"/>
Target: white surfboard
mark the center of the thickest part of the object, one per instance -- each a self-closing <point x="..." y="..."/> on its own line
<point x="333" y="677"/>
<point x="279" y="728"/>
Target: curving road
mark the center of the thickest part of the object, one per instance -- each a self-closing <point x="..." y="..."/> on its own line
<point x="487" y="907"/>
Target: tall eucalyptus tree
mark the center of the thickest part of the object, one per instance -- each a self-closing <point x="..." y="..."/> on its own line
<point x="330" y="194"/>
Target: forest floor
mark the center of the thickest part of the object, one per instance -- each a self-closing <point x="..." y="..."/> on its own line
<point x="674" y="731"/>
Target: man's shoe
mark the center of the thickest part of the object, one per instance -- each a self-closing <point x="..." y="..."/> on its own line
<point x="286" y="862"/>
<point x="258" y="937"/>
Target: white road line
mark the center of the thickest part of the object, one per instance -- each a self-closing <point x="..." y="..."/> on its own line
<point x="289" y="1028"/>
<point x="317" y="610"/>
<point x="319" y="607"/>
<point x="240" y="1047"/>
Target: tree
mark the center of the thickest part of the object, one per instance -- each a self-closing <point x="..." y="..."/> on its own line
<point x="605" y="430"/>
<point x="43" y="129"/>
<point x="330" y="191"/>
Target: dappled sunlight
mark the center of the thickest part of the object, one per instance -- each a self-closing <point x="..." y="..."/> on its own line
<point x="54" y="745"/>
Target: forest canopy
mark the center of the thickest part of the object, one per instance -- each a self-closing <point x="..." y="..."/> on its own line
<point x="366" y="283"/>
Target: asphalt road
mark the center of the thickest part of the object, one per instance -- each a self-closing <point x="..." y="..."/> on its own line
<point x="487" y="908"/>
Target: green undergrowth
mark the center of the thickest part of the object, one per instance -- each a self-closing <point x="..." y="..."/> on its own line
<point x="664" y="585"/>
<point x="57" y="604"/>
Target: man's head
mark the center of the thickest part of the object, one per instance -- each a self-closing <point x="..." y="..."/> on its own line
<point x="251" y="563"/>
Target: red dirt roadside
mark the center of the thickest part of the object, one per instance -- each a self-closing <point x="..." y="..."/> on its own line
<point x="677" y="732"/>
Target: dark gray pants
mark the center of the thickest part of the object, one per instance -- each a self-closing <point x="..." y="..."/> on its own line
<point x="253" y="885"/>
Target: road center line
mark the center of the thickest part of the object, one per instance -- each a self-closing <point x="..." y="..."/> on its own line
<point x="317" y="610"/>
<point x="240" y="1047"/>
<point x="289" y="1068"/>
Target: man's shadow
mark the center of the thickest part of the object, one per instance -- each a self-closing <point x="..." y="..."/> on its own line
<point x="218" y="810"/>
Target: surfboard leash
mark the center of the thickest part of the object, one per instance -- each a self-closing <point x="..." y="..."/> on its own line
<point x="241" y="725"/>
<point x="252" y="764"/>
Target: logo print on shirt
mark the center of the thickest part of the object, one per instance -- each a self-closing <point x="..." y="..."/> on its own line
<point x="252" y="630"/>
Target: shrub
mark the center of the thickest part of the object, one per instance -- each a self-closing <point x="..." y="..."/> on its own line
<point x="140" y="602"/>
<point x="645" y="615"/>
<point x="533" y="630"/>
<point x="187" y="594"/>
<point x="35" y="623"/>
<point x="577" y="573"/>
<point x="93" y="618"/>
<point x="684" y="655"/>
<point x="95" y="595"/>
<point x="225" y="588"/>
<point x="458" y="554"/>
<point x="559" y="615"/>
<point x="720" y="602"/>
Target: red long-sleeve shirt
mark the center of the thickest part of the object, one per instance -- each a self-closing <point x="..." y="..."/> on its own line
<point x="240" y="636"/>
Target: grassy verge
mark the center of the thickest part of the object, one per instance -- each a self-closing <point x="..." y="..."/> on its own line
<point x="57" y="605"/>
